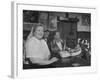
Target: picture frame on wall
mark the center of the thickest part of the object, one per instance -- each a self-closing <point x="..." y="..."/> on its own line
<point x="27" y="16"/>
<point x="86" y="21"/>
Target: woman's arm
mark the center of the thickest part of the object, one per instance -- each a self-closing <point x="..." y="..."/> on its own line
<point x="77" y="53"/>
<point x="30" y="34"/>
<point x="43" y="62"/>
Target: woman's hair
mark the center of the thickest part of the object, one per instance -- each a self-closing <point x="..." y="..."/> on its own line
<point x="56" y="32"/>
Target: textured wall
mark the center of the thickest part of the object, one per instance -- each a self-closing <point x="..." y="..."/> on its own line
<point x="80" y="27"/>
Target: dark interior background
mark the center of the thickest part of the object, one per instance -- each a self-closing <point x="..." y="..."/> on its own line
<point x="71" y="25"/>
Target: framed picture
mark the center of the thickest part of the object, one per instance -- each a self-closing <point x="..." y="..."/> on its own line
<point x="43" y="45"/>
<point x="86" y="20"/>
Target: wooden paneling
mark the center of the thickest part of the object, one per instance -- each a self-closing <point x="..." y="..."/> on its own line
<point x="68" y="30"/>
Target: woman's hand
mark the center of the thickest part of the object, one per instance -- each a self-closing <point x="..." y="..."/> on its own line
<point x="43" y="62"/>
<point x="64" y="54"/>
<point x="54" y="59"/>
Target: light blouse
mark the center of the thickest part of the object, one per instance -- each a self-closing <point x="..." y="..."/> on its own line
<point x="36" y="48"/>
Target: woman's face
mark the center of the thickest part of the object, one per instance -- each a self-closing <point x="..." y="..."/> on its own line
<point x="57" y="35"/>
<point x="39" y="32"/>
<point x="46" y="34"/>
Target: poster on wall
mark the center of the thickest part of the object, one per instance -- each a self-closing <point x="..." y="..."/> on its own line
<point x="52" y="23"/>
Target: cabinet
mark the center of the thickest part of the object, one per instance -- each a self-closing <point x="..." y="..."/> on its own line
<point x="68" y="30"/>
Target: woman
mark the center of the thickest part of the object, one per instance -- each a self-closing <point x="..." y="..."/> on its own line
<point x="36" y="48"/>
<point x="46" y="37"/>
<point x="58" y="48"/>
<point x="57" y="45"/>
